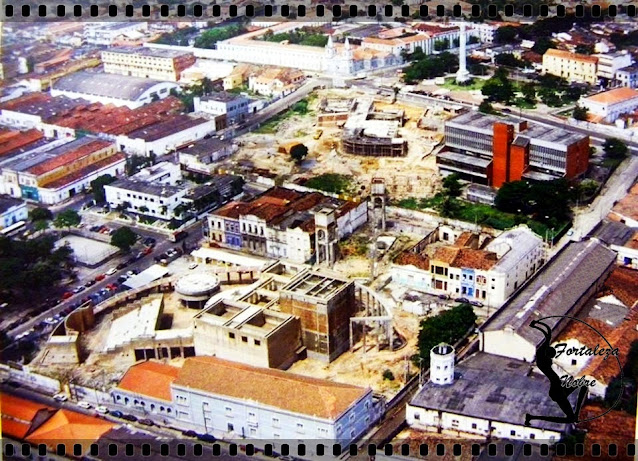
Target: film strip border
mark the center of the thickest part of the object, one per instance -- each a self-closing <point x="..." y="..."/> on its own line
<point x="191" y="450"/>
<point x="60" y="12"/>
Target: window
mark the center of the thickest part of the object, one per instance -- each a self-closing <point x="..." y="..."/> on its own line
<point x="473" y="425"/>
<point x="230" y="427"/>
<point x="257" y="342"/>
<point x="574" y="362"/>
<point x="244" y="339"/>
<point x="532" y="436"/>
<point x="417" y="416"/>
<point x="231" y="335"/>
<point x="228" y="410"/>
<point x="455" y="423"/>
<point x="299" y="427"/>
<point x="276" y="436"/>
<point x="275" y="422"/>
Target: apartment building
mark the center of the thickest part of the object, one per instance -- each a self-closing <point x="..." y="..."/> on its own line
<point x="275" y="82"/>
<point x="158" y="64"/>
<point x="492" y="150"/>
<point x="627" y="76"/>
<point x="572" y="67"/>
<point x="281" y="223"/>
<point x="610" y="63"/>
<point x="489" y="274"/>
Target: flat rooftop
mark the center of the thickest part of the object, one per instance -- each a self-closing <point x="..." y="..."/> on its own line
<point x="464" y="158"/>
<point x="205" y="147"/>
<point x="315" y="284"/>
<point x="7" y="202"/>
<point x="161" y="190"/>
<point x="222" y="96"/>
<point x="147" y="51"/>
<point x="496" y="388"/>
<point x="168" y="126"/>
<point x="137" y="324"/>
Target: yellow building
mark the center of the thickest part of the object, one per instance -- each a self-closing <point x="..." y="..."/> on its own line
<point x="158" y="64"/>
<point x="572" y="67"/>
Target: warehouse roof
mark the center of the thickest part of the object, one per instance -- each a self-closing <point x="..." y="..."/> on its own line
<point x="107" y="85"/>
<point x="150" y="378"/>
<point x="147" y="51"/>
<point x="555" y="290"/>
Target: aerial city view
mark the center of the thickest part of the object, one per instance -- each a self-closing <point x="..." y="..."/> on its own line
<point x="303" y="232"/>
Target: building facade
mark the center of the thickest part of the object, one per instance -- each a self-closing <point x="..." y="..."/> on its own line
<point x="235" y="107"/>
<point x="572" y="67"/>
<point x="627" y="76"/>
<point x="12" y="210"/>
<point x="494" y="150"/>
<point x="145" y="198"/>
<point x="610" y="105"/>
<point x="154" y="63"/>
<point x="610" y="63"/>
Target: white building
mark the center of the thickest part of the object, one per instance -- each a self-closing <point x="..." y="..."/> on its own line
<point x="148" y="199"/>
<point x="563" y="287"/>
<point x="202" y="155"/>
<point x="119" y="90"/>
<point x="234" y="400"/>
<point x="609" y="105"/>
<point x="489" y="275"/>
<point x="172" y="133"/>
<point x="105" y="33"/>
<point x="160" y="173"/>
<point x="234" y="106"/>
<point x="12" y="210"/>
<point x="610" y="63"/>
<point x="627" y="76"/>
<point x="488" y="397"/>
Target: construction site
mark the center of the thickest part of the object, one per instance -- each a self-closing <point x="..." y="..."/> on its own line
<point x="339" y="128"/>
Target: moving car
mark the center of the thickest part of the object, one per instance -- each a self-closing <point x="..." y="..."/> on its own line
<point x="85" y="405"/>
<point x="60" y="397"/>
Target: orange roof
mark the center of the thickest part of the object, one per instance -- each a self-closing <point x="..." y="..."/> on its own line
<point x="12" y="140"/>
<point x="627" y="207"/>
<point x="623" y="283"/>
<point x="83" y="172"/>
<point x="18" y="415"/>
<point x="412" y="259"/>
<point x="552" y="52"/>
<point x="274" y="388"/>
<point x="614" y="96"/>
<point x="150" y="378"/>
<point x="70" y="427"/>
<point x="69" y="157"/>
<point x="465" y="257"/>
<point x="614" y="427"/>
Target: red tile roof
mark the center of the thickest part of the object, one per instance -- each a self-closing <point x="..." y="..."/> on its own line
<point x="408" y="258"/>
<point x="11" y="140"/>
<point x="69" y="157"/>
<point x="83" y="172"/>
<point x="623" y="283"/>
<point x="150" y="378"/>
<point x="269" y="387"/>
<point x="18" y="415"/>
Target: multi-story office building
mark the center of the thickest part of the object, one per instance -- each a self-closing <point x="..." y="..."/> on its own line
<point x="158" y="64"/>
<point x="571" y="66"/>
<point x="494" y="150"/>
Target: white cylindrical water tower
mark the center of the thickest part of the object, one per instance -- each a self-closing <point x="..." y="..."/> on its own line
<point x="442" y="364"/>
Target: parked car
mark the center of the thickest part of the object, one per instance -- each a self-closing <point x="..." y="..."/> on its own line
<point x="476" y="303"/>
<point x="193" y="266"/>
<point x="129" y="417"/>
<point x="147" y="251"/>
<point x="111" y="271"/>
<point x="190" y="433"/>
<point x="60" y="397"/>
<point x="121" y="266"/>
<point x="462" y="300"/>
<point x="206" y="438"/>
<point x="85" y="405"/>
<point x="67" y="295"/>
<point x="117" y="413"/>
<point x="132" y="272"/>
<point x="102" y="409"/>
<point x="95" y="228"/>
<point x="99" y="278"/>
<point x="146" y="422"/>
<point x="131" y="260"/>
<point x="122" y="279"/>
<point x="149" y="242"/>
<point x="90" y="283"/>
<point x="444" y="297"/>
<point x="79" y="289"/>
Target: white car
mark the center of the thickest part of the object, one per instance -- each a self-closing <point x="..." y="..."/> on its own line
<point x="85" y="405"/>
<point x="111" y="271"/>
<point x="193" y="266"/>
<point x="102" y="409"/>
<point x="60" y="397"/>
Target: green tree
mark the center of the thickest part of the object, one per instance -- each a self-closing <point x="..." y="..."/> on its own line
<point x="583" y="48"/>
<point x="499" y="88"/>
<point x="614" y="148"/>
<point x="542" y="45"/>
<point x="123" y="238"/>
<point x="447" y="327"/>
<point x="388" y="375"/>
<point x="123" y="206"/>
<point x="67" y="218"/>
<point x="505" y="34"/>
<point x="486" y="108"/>
<point x="580" y="113"/>
<point x="97" y="185"/>
<point x="508" y="59"/>
<point x="41" y="225"/>
<point x="529" y="92"/>
<point x="40" y="214"/>
<point x="298" y="152"/>
<point x="451" y="185"/>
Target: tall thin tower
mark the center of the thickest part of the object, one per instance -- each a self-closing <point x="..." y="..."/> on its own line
<point x="462" y="75"/>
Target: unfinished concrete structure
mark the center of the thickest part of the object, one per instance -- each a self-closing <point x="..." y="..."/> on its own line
<point x="335" y="111"/>
<point x="378" y="197"/>
<point x="248" y="330"/>
<point x="326" y="237"/>
<point x="195" y="290"/>
<point x="324" y="305"/>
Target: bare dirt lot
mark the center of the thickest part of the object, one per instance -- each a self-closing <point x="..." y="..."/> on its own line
<point x="412" y="175"/>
